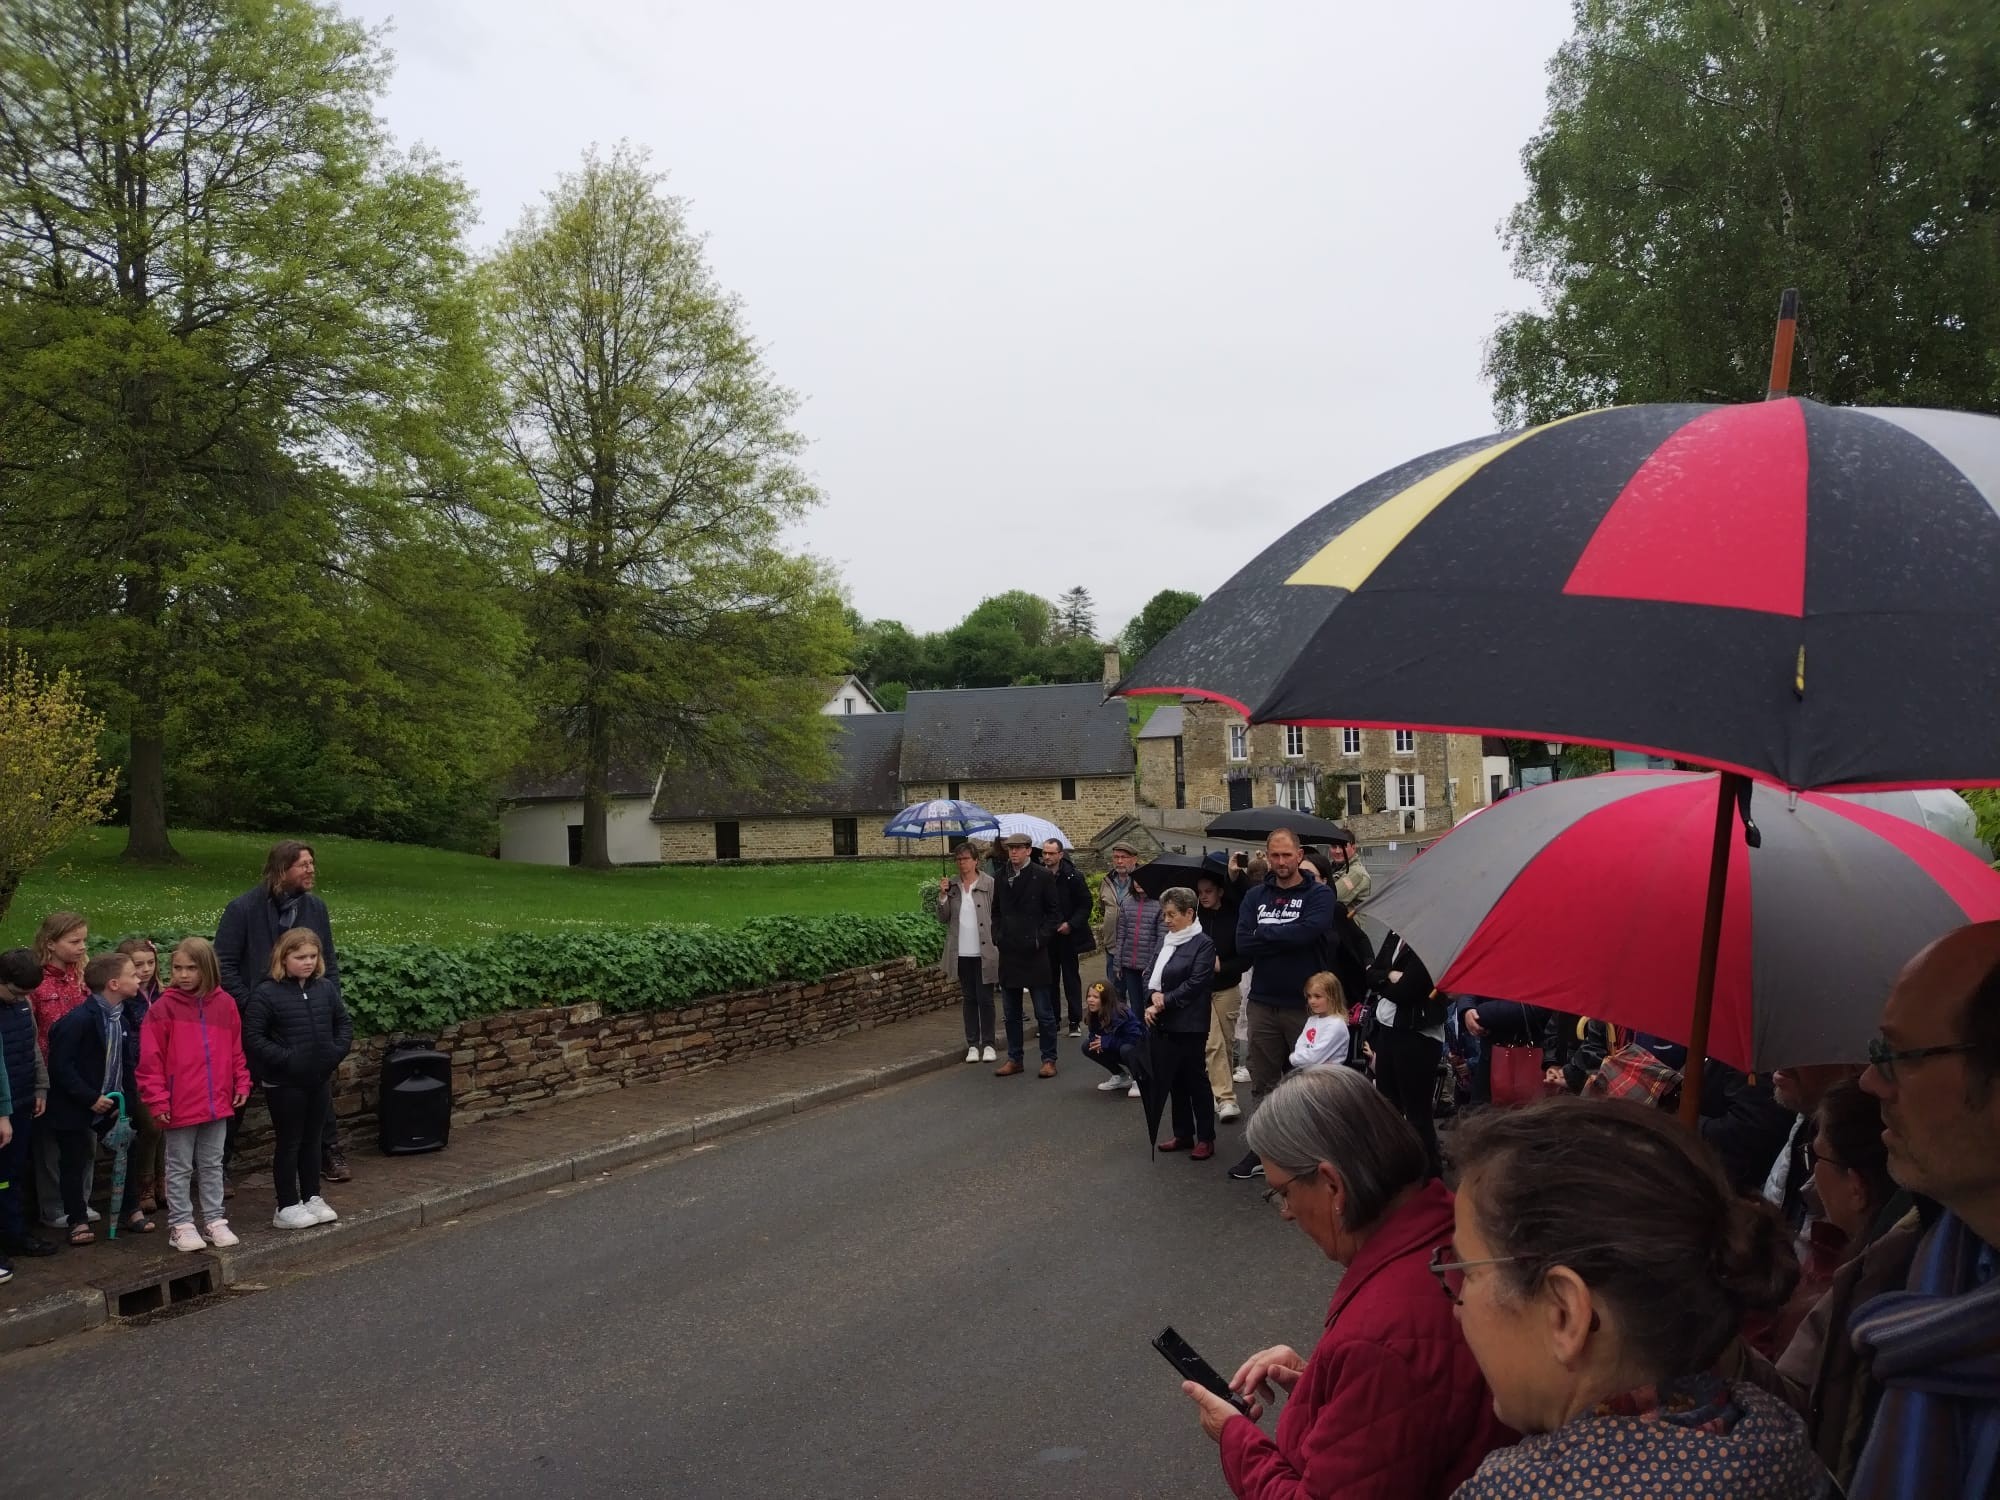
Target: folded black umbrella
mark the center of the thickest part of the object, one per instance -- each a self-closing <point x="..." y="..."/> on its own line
<point x="1165" y="871"/>
<point x="1256" y="823"/>
<point x="1152" y="1071"/>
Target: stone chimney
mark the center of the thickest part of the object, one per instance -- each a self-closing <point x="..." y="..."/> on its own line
<point x="1111" y="671"/>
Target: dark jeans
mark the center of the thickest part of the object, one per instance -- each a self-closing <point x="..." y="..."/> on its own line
<point x="1045" y="1021"/>
<point x="1133" y="983"/>
<point x="976" y="1001"/>
<point x="297" y="1115"/>
<point x="1069" y="973"/>
<point x="328" y="1133"/>
<point x="15" y="1166"/>
<point x="1120" y="1061"/>
<point x="78" y="1150"/>
<point x="1188" y="1092"/>
<point x="1406" y="1070"/>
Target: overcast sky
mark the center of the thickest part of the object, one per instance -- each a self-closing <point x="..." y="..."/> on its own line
<point x="1090" y="292"/>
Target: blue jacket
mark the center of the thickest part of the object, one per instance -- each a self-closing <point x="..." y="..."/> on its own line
<point x="1282" y="937"/>
<point x="21" y="1055"/>
<point x="76" y="1067"/>
<point x="1187" y="982"/>
<point x="1129" y="1031"/>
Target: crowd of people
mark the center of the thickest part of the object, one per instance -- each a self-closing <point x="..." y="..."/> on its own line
<point x="89" y="1042"/>
<point x="1799" y="1299"/>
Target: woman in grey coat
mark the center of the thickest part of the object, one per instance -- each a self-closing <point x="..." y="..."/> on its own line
<point x="965" y="906"/>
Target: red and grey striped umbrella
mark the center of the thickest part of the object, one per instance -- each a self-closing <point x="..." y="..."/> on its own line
<point x="1806" y="594"/>
<point x="1587" y="896"/>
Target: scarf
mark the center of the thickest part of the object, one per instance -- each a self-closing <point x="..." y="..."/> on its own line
<point x="287" y="907"/>
<point x="1702" y="1402"/>
<point x="1935" y="1350"/>
<point x="1168" y="942"/>
<point x="112" y="1027"/>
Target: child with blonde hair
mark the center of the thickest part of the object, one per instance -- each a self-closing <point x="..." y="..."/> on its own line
<point x="193" y="1077"/>
<point x="296" y="1031"/>
<point x="1325" y="1039"/>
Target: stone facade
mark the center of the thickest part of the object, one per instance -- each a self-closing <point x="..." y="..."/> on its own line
<point x="519" y="1060"/>
<point x="1156" y="774"/>
<point x="693" y="841"/>
<point x="1363" y="787"/>
<point x="1098" y="800"/>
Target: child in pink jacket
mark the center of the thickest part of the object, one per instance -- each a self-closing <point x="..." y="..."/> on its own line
<point x="193" y="1077"/>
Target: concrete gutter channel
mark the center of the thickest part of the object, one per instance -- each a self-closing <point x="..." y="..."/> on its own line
<point x="187" y="1277"/>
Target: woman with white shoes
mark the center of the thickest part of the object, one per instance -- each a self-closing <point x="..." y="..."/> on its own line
<point x="295" y="1032"/>
<point x="965" y="906"/>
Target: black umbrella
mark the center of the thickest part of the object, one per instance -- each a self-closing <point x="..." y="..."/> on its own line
<point x="1165" y="871"/>
<point x="1257" y="823"/>
<point x="1152" y="1068"/>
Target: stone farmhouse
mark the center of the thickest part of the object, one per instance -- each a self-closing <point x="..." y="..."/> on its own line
<point x="1060" y="752"/>
<point x="1382" y="783"/>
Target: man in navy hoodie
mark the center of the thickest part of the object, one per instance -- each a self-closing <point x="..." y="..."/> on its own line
<point x="28" y="1083"/>
<point x="1282" y="934"/>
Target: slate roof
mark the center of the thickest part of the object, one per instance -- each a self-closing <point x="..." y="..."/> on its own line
<point x="1167" y="723"/>
<point x="865" y="750"/>
<point x="622" y="781"/>
<point x="1016" y="734"/>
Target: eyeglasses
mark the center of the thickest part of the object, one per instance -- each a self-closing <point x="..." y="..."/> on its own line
<point x="1883" y="1058"/>
<point x="1814" y="1156"/>
<point x="1451" y="1273"/>
<point x="1275" y="1195"/>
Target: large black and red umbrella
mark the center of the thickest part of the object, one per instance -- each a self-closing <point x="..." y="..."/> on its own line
<point x="1806" y="594"/>
<point x="1586" y="896"/>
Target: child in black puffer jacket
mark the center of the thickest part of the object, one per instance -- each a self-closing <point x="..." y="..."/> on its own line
<point x="295" y="1032"/>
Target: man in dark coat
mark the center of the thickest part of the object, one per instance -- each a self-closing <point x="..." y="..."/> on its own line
<point x="1026" y="914"/>
<point x="1073" y="936"/>
<point x="250" y="928"/>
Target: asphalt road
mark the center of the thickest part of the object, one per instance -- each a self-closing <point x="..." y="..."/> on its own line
<point x="945" y="1289"/>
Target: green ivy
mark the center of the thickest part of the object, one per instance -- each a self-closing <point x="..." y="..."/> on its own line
<point x="415" y="987"/>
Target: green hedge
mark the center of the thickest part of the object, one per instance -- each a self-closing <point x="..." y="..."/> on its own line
<point x="406" y="987"/>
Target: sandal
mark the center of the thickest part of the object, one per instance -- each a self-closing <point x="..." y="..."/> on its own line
<point x="82" y="1234"/>
<point x="140" y="1224"/>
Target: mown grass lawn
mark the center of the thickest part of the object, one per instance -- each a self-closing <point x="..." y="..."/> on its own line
<point x="390" y="893"/>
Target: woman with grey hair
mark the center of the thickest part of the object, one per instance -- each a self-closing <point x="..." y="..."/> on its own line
<point x="1392" y="1403"/>
<point x="1179" y="987"/>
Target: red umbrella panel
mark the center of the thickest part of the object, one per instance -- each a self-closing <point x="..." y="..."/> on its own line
<point x="1588" y="897"/>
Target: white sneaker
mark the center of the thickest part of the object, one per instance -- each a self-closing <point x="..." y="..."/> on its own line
<point x="221" y="1235"/>
<point x="294" y="1216"/>
<point x="186" y="1237"/>
<point x="1132" y="1092"/>
<point x="1114" y="1083"/>
<point x="1228" y="1111"/>
<point x="1241" y="1075"/>
<point x="94" y="1215"/>
<point x="321" y="1210"/>
<point x="987" y="1054"/>
<point x="972" y="1054"/>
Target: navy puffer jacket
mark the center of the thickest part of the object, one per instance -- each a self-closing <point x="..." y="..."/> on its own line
<point x="295" y="1033"/>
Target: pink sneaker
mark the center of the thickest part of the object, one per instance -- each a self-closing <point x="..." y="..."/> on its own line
<point x="186" y="1237"/>
<point x="220" y="1235"/>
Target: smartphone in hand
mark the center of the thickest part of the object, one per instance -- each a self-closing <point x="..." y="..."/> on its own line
<point x="1179" y="1353"/>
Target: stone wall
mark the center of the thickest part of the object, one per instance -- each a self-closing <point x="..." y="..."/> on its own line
<point x="693" y="841"/>
<point x="1099" y="800"/>
<point x="517" y="1060"/>
<point x="1156" y="772"/>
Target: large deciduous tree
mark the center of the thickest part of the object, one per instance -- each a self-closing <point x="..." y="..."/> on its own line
<point x="667" y="622"/>
<point x="236" y="347"/>
<point x="55" y="785"/>
<point x="1162" y="613"/>
<point x="1700" y="155"/>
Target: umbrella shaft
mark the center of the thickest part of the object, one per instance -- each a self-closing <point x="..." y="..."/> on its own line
<point x="1729" y="785"/>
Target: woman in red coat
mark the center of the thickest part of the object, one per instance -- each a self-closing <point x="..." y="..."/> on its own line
<point x="1391" y="1406"/>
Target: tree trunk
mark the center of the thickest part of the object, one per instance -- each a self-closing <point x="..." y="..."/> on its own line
<point x="146" y="841"/>
<point x="596" y="777"/>
<point x="10" y="882"/>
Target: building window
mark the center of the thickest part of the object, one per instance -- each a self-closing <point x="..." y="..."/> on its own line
<point x="951" y="790"/>
<point x="1354" y="799"/>
<point x="1495" y="784"/>
<point x="1406" y="789"/>
<point x="1350" y="742"/>
<point x="1069" y="789"/>
<point x="843" y="838"/>
<point x="728" y="841"/>
<point x="1296" y="793"/>
<point x="1239" y="742"/>
<point x="1295" y="741"/>
<point x="1406" y="741"/>
<point x="850" y="705"/>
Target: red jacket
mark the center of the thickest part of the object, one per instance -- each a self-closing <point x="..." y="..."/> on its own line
<point x="1391" y="1405"/>
<point x="191" y="1063"/>
<point x="60" y="992"/>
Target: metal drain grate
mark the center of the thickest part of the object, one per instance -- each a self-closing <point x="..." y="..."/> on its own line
<point x="164" y="1293"/>
<point x="191" y="1304"/>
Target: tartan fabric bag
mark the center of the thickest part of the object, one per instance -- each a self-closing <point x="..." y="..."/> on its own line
<point x="1631" y="1072"/>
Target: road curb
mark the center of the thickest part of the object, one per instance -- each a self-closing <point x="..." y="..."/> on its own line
<point x="83" y="1308"/>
